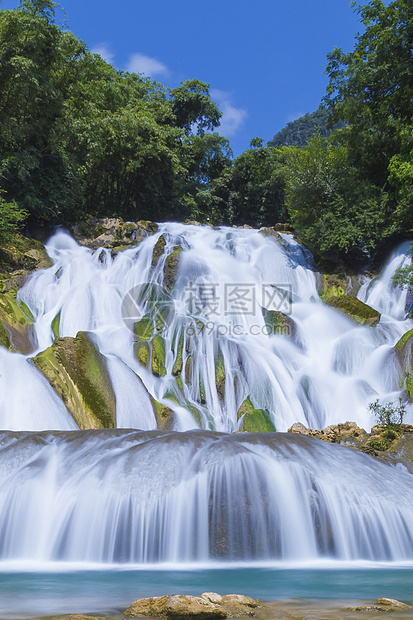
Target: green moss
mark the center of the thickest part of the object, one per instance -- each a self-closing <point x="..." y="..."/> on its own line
<point x="14" y="311"/>
<point x="77" y="371"/>
<point x="171" y="268"/>
<point x="278" y="323"/>
<point x="18" y="319"/>
<point x="158" y="250"/>
<point x="4" y="338"/>
<point x="385" y="440"/>
<point x="144" y="328"/>
<point x="178" y="363"/>
<point x="355" y="309"/>
<point x="404" y="354"/>
<point x="164" y="415"/>
<point x="142" y="353"/>
<point x="404" y="340"/>
<point x="245" y="406"/>
<point x="332" y="286"/>
<point x="158" y="356"/>
<point x="56" y="326"/>
<point x="196" y="415"/>
<point x="188" y="370"/>
<point x="220" y="375"/>
<point x="409" y="385"/>
<point x="257" y="421"/>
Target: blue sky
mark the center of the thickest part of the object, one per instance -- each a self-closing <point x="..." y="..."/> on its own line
<point x="264" y="60"/>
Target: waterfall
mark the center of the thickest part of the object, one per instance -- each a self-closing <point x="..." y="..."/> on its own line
<point x="321" y="369"/>
<point x="196" y="497"/>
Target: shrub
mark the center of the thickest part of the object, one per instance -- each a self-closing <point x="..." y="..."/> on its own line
<point x="389" y="413"/>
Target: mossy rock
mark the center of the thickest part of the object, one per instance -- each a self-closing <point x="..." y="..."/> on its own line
<point x="404" y="353"/>
<point x="164" y="415"/>
<point x="220" y="376"/>
<point x="355" y="309"/>
<point x="23" y="255"/>
<point x="278" y="323"/>
<point x="384" y="441"/>
<point x="178" y="363"/>
<point x="144" y="329"/>
<point x="142" y="353"/>
<point x="4" y="337"/>
<point x="405" y="340"/>
<point x="158" y="356"/>
<point x="158" y="250"/>
<point x="338" y="285"/>
<point x="257" y="421"/>
<point x="56" y="326"/>
<point x="171" y="267"/>
<point x="78" y="373"/>
<point x="18" y="322"/>
<point x="245" y="406"/>
<point x="111" y="232"/>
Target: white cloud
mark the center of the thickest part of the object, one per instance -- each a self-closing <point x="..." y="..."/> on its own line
<point x="232" y="118"/>
<point x="103" y="49"/>
<point x="139" y="63"/>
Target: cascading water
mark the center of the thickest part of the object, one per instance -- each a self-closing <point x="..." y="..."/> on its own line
<point x="150" y="496"/>
<point x="325" y="369"/>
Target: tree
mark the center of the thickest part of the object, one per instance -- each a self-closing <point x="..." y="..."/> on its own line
<point x="371" y="88"/>
<point x="335" y="212"/>
<point x="252" y="191"/>
<point x="11" y="219"/>
<point x="193" y="107"/>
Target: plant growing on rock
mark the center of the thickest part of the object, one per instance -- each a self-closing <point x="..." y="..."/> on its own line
<point x="390" y="413"/>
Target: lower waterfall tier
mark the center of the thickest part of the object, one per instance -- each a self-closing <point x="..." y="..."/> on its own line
<point x="120" y="496"/>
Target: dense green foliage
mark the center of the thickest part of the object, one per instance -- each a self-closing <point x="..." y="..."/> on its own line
<point x="349" y="192"/>
<point x="79" y="138"/>
<point x="300" y="131"/>
<point x="252" y="190"/>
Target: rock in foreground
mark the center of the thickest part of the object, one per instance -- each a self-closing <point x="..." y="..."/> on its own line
<point x="208" y="606"/>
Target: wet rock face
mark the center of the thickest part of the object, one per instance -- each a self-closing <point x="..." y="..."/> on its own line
<point x="111" y="232"/>
<point x="208" y="606"/>
<point x="77" y="372"/>
<point x="17" y="261"/>
<point x="404" y="354"/>
<point x="355" y="309"/>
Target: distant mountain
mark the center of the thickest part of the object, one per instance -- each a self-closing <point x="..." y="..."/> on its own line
<point x="297" y="133"/>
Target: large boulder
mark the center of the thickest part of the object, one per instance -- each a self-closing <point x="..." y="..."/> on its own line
<point x="176" y="607"/>
<point x="355" y="309"/>
<point x="208" y="606"/>
<point x="78" y="373"/>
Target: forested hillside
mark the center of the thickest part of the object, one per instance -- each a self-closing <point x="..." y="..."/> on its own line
<point x="300" y="131"/>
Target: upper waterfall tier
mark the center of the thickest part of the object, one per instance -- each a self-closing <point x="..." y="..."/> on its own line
<point x="198" y="326"/>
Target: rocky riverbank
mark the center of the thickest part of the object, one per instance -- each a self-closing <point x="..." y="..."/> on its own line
<point x="212" y="606"/>
<point x="392" y="443"/>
